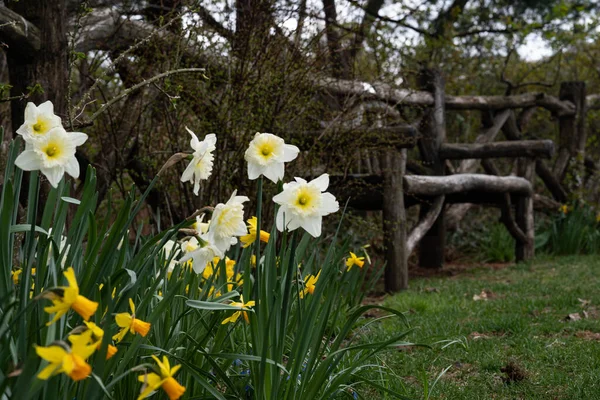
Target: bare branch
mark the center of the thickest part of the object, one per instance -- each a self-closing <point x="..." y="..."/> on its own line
<point x="133" y="88"/>
<point x="423" y="226"/>
<point x="213" y="23"/>
<point x="17" y="33"/>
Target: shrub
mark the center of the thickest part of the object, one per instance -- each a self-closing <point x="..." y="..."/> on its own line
<point x="573" y="230"/>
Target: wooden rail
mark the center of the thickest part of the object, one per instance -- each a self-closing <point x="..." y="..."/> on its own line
<point x="523" y="148"/>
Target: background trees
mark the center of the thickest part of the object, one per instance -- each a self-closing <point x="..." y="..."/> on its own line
<point x="273" y="66"/>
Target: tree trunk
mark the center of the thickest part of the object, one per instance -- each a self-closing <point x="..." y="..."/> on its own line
<point x="45" y="71"/>
<point x="433" y="130"/>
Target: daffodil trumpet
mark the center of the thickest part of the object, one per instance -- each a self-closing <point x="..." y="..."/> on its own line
<point x="65" y="298"/>
<point x="161" y="378"/>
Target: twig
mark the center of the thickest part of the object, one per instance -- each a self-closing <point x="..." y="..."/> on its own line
<point x="126" y="93"/>
<point x="121" y="56"/>
<point x="20" y="97"/>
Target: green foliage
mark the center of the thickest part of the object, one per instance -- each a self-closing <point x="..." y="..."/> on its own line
<point x="297" y="345"/>
<point x="498" y="245"/>
<point x="485" y="240"/>
<point x="573" y="232"/>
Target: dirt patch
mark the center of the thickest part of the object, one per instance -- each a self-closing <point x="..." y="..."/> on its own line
<point x="513" y="373"/>
<point x="486" y="335"/>
<point x="459" y="372"/>
<point x="376" y="300"/>
<point x="588" y="313"/>
<point x="454" y="269"/>
<point x="545" y="310"/>
<point x="587" y="335"/>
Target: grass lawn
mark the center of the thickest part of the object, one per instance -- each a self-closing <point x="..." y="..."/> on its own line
<point x="522" y="328"/>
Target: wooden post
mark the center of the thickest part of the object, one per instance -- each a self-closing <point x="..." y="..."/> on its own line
<point x="524" y="213"/>
<point x="512" y="132"/>
<point x="433" y="131"/>
<point x="394" y="220"/>
<point x="572" y="136"/>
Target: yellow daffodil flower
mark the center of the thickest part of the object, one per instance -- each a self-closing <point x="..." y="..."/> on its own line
<point x="128" y="322"/>
<point x="230" y="271"/>
<point x="353" y="260"/>
<point x="152" y="381"/>
<point x="238" y="281"/>
<point x="309" y="283"/>
<point x="70" y="360"/>
<point x="114" y="292"/>
<point x="209" y="270"/>
<point x="564" y="209"/>
<point x="236" y="315"/>
<point x="250" y="238"/>
<point x="66" y="297"/>
<point x="15" y="275"/>
<point x="97" y="335"/>
<point x="212" y="290"/>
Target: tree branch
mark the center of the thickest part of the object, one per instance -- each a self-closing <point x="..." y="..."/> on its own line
<point x="20" y="35"/>
<point x="133" y="88"/>
<point x="214" y="24"/>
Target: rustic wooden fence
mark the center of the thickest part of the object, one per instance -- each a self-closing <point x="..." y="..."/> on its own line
<point x="438" y="186"/>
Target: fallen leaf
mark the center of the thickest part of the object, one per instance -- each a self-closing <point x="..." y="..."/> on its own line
<point x="480" y="296"/>
<point x="15" y="373"/>
<point x="584" y="303"/>
<point x="592" y="313"/>
<point x="477" y="335"/>
<point x="484" y="295"/>
<point x="573" y="317"/>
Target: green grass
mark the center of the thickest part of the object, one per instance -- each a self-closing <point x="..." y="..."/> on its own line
<point x="523" y="323"/>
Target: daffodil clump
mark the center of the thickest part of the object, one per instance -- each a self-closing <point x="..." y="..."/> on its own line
<point x="241" y="306"/>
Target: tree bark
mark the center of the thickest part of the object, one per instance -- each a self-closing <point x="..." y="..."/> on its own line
<point x="439" y="185"/>
<point x="337" y="55"/>
<point x="47" y="68"/>
<point x="572" y="135"/>
<point x="425" y="223"/>
<point x="524" y="212"/>
<point x="433" y="131"/>
<point x="523" y="148"/>
<point x="505" y="206"/>
<point x="394" y="221"/>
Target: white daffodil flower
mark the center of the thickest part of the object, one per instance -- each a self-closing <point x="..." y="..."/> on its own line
<point x="266" y="154"/>
<point x="171" y="247"/>
<point x="39" y="120"/>
<point x="303" y="204"/>
<point x="202" y="162"/>
<point x="190" y="245"/>
<point x="202" y="255"/>
<point x="200" y="226"/>
<point x="53" y="154"/>
<point x="227" y="222"/>
<point x="62" y="246"/>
